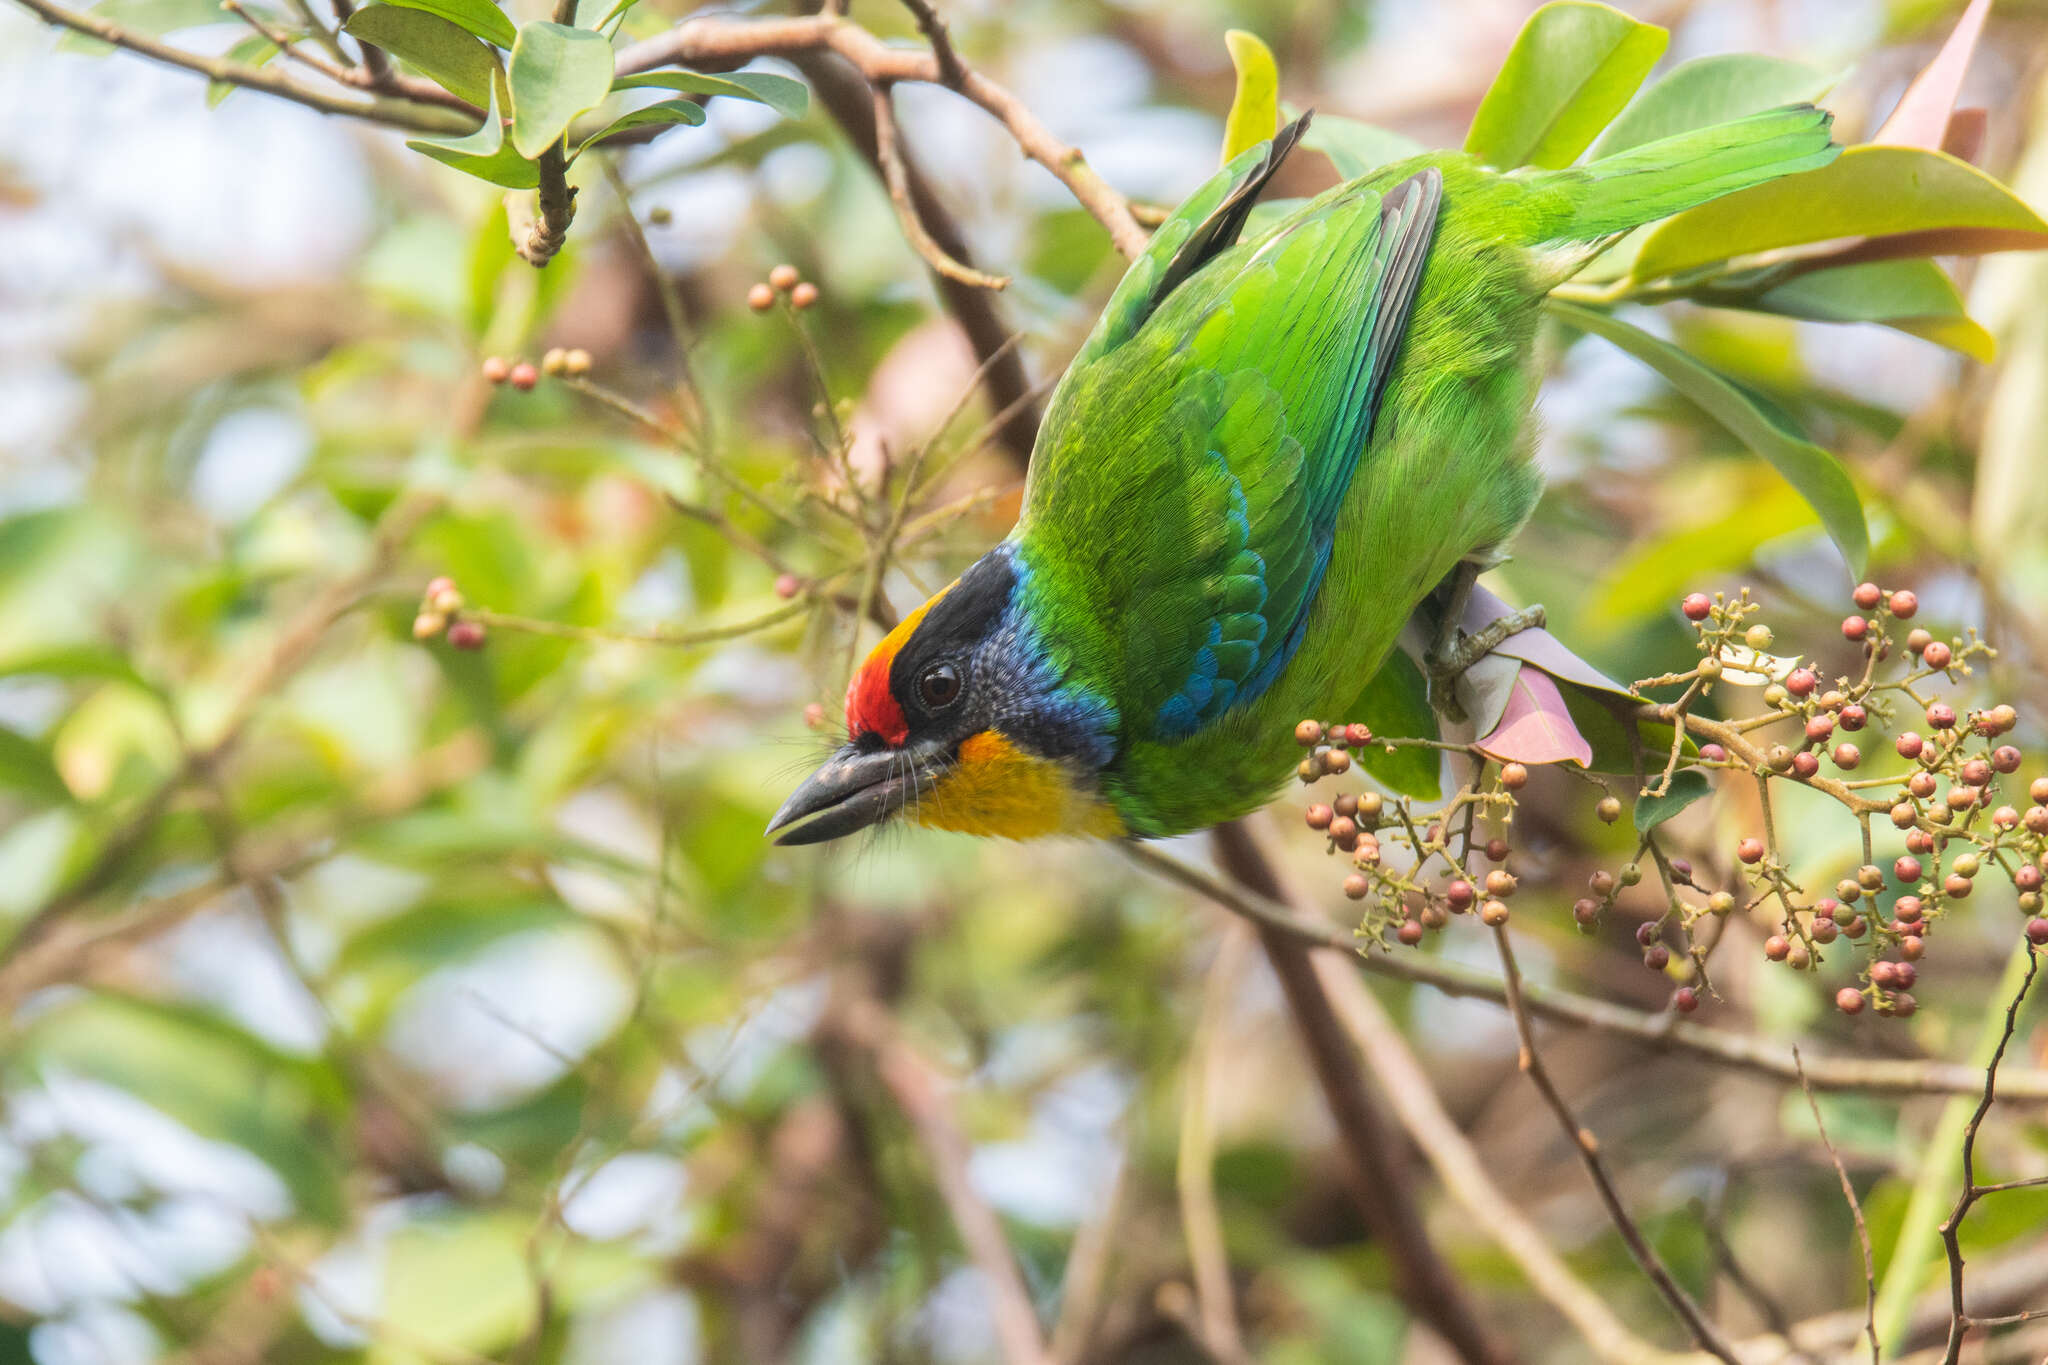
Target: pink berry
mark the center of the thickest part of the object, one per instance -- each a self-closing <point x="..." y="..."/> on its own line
<point x="1936" y="655"/>
<point x="1697" y="606"/>
<point x="1904" y="604"/>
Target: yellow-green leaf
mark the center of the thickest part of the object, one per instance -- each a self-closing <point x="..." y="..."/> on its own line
<point x="1816" y="473"/>
<point x="1914" y="296"/>
<point x="557" y="73"/>
<point x="480" y="17"/>
<point x="1255" y="109"/>
<point x="789" y="98"/>
<point x="1865" y="192"/>
<point x="1571" y="70"/>
<point x="484" y="153"/>
<point x="1355" y="148"/>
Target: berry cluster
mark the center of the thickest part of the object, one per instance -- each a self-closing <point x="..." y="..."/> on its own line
<point x="574" y="363"/>
<point x="1941" y="795"/>
<point x="783" y="279"/>
<point x="441" y="613"/>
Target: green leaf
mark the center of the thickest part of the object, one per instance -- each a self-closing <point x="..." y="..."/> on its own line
<point x="254" y="50"/>
<point x="452" y="57"/>
<point x="1255" y="108"/>
<point x="480" y="17"/>
<point x="1710" y="90"/>
<point x="1687" y="786"/>
<point x="25" y="766"/>
<point x="1572" y="68"/>
<point x="557" y="73"/>
<point x="668" y="111"/>
<point x="789" y="98"/>
<point x="484" y="153"/>
<point x="1817" y="474"/>
<point x="1395" y="704"/>
<point x="1356" y="148"/>
<point x="1932" y="202"/>
<point x="1913" y="295"/>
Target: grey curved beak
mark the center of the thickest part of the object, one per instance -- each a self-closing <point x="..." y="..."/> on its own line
<point x="852" y="790"/>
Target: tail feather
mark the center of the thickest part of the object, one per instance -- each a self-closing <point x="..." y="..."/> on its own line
<point x="1641" y="185"/>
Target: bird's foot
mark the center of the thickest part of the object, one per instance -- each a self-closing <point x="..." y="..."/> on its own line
<point x="1457" y="651"/>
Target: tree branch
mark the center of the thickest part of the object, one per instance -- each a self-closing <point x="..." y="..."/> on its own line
<point x="405" y="112"/>
<point x="1378" y="1185"/>
<point x="1855" y="1210"/>
<point x="720" y="38"/>
<point x="1660" y="1030"/>
<point x="890" y="159"/>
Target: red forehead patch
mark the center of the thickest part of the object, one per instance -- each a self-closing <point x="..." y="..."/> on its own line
<point x="871" y="708"/>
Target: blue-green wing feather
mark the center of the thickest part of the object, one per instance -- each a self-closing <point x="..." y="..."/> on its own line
<point x="1203" y="443"/>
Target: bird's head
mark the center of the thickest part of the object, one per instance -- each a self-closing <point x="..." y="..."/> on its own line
<point x="961" y="719"/>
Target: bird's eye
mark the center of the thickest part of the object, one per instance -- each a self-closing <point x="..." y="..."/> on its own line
<point x="939" y="686"/>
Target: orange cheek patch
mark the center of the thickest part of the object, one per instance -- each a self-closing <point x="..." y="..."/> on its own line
<point x="996" y="789"/>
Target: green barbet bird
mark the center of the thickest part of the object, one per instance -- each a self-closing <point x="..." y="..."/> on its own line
<point x="1268" y="454"/>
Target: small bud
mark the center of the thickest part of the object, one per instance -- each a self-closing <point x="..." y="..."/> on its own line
<point x="466" y="635"/>
<point x="1713" y="753"/>
<point x="524" y="377"/>
<point x="660" y="216"/>
<point x="760" y="298"/>
<point x="804" y="295"/>
<point x="1697" y="606"/>
<point x="814" y="716"/>
<point x="496" y="369"/>
<point x="783" y="277"/>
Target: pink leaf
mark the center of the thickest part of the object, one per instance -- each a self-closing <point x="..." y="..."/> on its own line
<point x="1538" y="647"/>
<point x="1922" y="117"/>
<point x="1536" y="727"/>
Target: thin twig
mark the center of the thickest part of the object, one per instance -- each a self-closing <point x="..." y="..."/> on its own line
<point x="898" y="183"/>
<point x="1960" y="1321"/>
<point x="1855" y="1211"/>
<point x="1660" y="1030"/>
<point x="406" y="112"/>
<point x="1194" y="1168"/>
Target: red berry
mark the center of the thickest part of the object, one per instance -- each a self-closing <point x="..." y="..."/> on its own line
<point x="1921" y="784"/>
<point x="1460" y="894"/>
<point x="1909" y="909"/>
<point x="1697" y="606"/>
<point x="466" y="635"/>
<point x="1685" y="1000"/>
<point x="1800" y="682"/>
<point x="524" y="377"/>
<point x="1409" y="933"/>
<point x="1586" y="910"/>
<point x="1849" y="1000"/>
<point x="1903" y="1006"/>
<point x="1941" y="716"/>
<point x="2028" y="878"/>
<point x="1656" y="957"/>
<point x="1714" y="753"/>
<point x="1825" y="907"/>
<point x="1906" y="975"/>
<point x="2006" y="759"/>
<point x="1805" y="764"/>
<point x="1847" y="755"/>
<point x="783" y="277"/>
<point x="2037" y="931"/>
<point x="1884" y="973"/>
<point x="1956" y="885"/>
<point x="2037" y="791"/>
<point x="1496" y="849"/>
<point x="1854" y="627"/>
<point x="1903" y="815"/>
<point x="1976" y="772"/>
<point x="1907" y="869"/>
<point x="1854" y="717"/>
<point x="804" y="295"/>
<point x="1936" y="655"/>
<point x="1867" y="596"/>
<point x="1309" y="733"/>
<point x="1357" y="887"/>
<point x="1904" y="604"/>
<point x="1819" y="728"/>
<point x="1344" y="831"/>
<point x="788" y="585"/>
<point x="1358" y="733"/>
<point x="1919" y="841"/>
<point x="1750" y="850"/>
<point x="1514" y="776"/>
<point x="496" y="369"/>
<point x="1777" y="947"/>
<point x="761" y="297"/>
<point x="1319" y="816"/>
<point x="1909" y="745"/>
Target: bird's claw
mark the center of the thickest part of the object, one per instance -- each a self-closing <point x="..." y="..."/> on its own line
<point x="1447" y="662"/>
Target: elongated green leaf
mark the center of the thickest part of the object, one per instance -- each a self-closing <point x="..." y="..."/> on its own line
<point x="1817" y="474"/>
<point x="25" y="767"/>
<point x="668" y="111"/>
<point x="1255" y="108"/>
<point x="480" y="17"/>
<point x="1571" y="70"/>
<point x="1356" y="148"/>
<point x="1710" y="90"/>
<point x="557" y="73"/>
<point x="452" y="57"/>
<point x="1687" y="786"/>
<point x="1913" y="295"/>
<point x="484" y="153"/>
<point x="1864" y="192"/>
<point x="791" y="99"/>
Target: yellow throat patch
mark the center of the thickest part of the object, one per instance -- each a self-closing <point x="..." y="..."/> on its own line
<point x="996" y="789"/>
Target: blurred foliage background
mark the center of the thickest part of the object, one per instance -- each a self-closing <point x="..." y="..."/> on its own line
<point x="374" y="1000"/>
